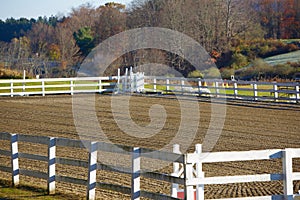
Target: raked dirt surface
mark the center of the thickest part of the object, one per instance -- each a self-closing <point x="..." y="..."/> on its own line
<point x="248" y="126"/>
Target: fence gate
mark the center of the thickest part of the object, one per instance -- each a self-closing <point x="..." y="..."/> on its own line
<point x="131" y="82"/>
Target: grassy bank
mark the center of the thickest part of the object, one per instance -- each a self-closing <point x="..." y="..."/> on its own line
<point x="25" y="192"/>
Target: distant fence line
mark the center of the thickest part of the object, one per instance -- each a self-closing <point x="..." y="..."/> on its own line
<point x="139" y="83"/>
<point x="244" y="90"/>
<point x="187" y="168"/>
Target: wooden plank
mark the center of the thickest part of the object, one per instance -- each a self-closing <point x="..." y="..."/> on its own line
<point x="160" y="155"/>
<point x="15" y="172"/>
<point x="92" y="172"/>
<point x="234" y="156"/>
<point x="71" y="143"/>
<point x="5" y="153"/>
<point x="5" y="136"/>
<point x="287" y="168"/>
<point x="111" y="168"/>
<point x="107" y="147"/>
<point x="67" y="179"/>
<point x="235" y="179"/>
<point x="112" y="187"/>
<point x="136" y="174"/>
<point x="296" y="176"/>
<point x="34" y="139"/>
<point x="51" y="184"/>
<point x="163" y="177"/>
<point x="5" y="169"/>
<point x="151" y="195"/>
<point x="72" y="162"/>
<point x="33" y="157"/>
<point x="295" y="153"/>
<point x="35" y="174"/>
<point x="274" y="197"/>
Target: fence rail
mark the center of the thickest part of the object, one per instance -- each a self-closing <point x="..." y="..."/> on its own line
<point x="244" y="90"/>
<point x="137" y="82"/>
<point x="44" y="87"/>
<point x="91" y="163"/>
<point x="187" y="168"/>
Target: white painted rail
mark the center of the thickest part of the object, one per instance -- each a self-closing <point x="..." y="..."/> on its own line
<point x="187" y="172"/>
<point x="90" y="163"/>
<point x="243" y="90"/>
<point x="49" y="86"/>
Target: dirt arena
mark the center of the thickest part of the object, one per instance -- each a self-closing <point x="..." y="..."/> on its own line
<point x="248" y="126"/>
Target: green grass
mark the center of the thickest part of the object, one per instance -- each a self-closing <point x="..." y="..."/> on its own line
<point x="227" y="91"/>
<point x="25" y="192"/>
<point x="292" y="57"/>
<point x="290" y="40"/>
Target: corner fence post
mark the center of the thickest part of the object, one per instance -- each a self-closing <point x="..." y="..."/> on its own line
<point x="15" y="160"/>
<point x="188" y="175"/>
<point x="176" y="171"/>
<point x="287" y="161"/>
<point x="92" y="173"/>
<point x="51" y="165"/>
<point x="136" y="173"/>
<point x="199" y="174"/>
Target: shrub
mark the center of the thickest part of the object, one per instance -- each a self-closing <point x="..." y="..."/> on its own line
<point x="195" y="74"/>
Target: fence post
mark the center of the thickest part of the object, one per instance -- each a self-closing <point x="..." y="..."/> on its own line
<point x="100" y="85"/>
<point x="11" y="88"/>
<point x="199" y="86"/>
<point x="118" y="82"/>
<point x="255" y="93"/>
<point x="167" y="86"/>
<point x="72" y="87"/>
<point x="275" y="87"/>
<point x="15" y="160"/>
<point x="297" y="94"/>
<point x="154" y="84"/>
<point x="217" y="88"/>
<point x="182" y="86"/>
<point x="176" y="171"/>
<point x="199" y="174"/>
<point x="92" y="173"/>
<point x="43" y="88"/>
<point x="136" y="172"/>
<point x="287" y="162"/>
<point x="235" y="86"/>
<point x="188" y="175"/>
<point x="51" y="165"/>
<point x="125" y="81"/>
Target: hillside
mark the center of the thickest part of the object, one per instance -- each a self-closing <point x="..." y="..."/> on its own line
<point x="292" y="57"/>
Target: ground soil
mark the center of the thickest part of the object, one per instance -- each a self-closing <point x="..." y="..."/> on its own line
<point x="248" y="126"/>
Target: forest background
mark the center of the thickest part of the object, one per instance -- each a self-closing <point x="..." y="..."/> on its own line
<point x="238" y="34"/>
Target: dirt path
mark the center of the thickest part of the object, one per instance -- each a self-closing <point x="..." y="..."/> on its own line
<point x="248" y="126"/>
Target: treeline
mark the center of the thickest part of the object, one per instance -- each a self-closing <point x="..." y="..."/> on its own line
<point x="56" y="46"/>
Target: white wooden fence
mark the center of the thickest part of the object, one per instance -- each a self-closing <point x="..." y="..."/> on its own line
<point x="195" y="180"/>
<point x="128" y="83"/>
<point x="139" y="83"/>
<point x="24" y="87"/>
<point x="244" y="90"/>
<point x="187" y="168"/>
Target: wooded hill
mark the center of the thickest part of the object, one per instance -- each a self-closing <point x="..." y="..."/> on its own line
<point x="234" y="32"/>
